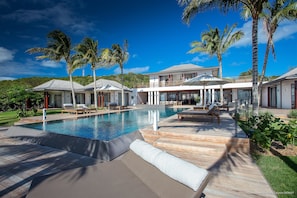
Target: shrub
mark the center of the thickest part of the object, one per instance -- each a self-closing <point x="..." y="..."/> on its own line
<point x="292" y="114"/>
<point x="265" y="128"/>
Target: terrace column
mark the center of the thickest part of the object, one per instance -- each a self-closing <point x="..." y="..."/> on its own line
<point x="46" y="100"/>
<point x="158" y="98"/>
<point x="209" y="96"/>
<point x="155" y="97"/>
<point x="213" y="95"/>
<point x="201" y="96"/>
<point x="149" y="97"/>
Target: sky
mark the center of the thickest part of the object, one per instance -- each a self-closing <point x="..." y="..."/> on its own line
<point x="156" y="35"/>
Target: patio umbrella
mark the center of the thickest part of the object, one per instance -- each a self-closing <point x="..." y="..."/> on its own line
<point x="204" y="80"/>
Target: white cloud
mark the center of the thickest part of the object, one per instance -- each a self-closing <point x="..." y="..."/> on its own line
<point x="49" y="63"/>
<point x="285" y="30"/>
<point x="6" y="55"/>
<point x="6" y="78"/>
<point x="136" y="70"/>
<point x="200" y="59"/>
<point x="27" y="67"/>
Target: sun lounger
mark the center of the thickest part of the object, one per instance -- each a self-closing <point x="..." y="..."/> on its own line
<point x="81" y="108"/>
<point x="211" y="112"/>
<point x="144" y="171"/>
<point x="68" y="108"/>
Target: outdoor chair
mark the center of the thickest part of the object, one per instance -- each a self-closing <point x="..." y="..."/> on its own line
<point x="144" y="171"/>
<point x="68" y="108"/>
<point x="212" y="112"/>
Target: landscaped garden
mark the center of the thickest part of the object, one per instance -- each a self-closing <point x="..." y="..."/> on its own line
<point x="274" y="148"/>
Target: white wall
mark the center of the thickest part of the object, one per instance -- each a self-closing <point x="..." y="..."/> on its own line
<point x="285" y="94"/>
<point x="88" y="98"/>
<point x="67" y="97"/>
<point x="264" y="97"/>
<point x="154" y="81"/>
<point x="234" y="95"/>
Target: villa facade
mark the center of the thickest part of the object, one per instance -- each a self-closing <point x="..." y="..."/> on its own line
<point x="166" y="87"/>
<point x="281" y="92"/>
<point x="58" y="92"/>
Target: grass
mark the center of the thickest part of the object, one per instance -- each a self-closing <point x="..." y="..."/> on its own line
<point x="281" y="173"/>
<point x="8" y="118"/>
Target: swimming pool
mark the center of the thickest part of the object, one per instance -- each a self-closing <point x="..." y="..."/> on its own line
<point x="107" y="126"/>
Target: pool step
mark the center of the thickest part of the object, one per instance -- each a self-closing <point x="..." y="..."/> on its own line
<point x="203" y="154"/>
<point x="200" y="148"/>
<point x="233" y="144"/>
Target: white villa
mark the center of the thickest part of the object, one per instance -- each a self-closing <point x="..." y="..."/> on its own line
<point x="281" y="92"/>
<point x="58" y="92"/>
<point x="166" y="87"/>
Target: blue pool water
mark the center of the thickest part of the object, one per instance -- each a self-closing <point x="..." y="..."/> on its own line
<point x="105" y="127"/>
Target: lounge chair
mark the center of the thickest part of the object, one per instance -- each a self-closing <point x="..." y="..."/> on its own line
<point x="68" y="108"/>
<point x="212" y="112"/>
<point x="86" y="108"/>
<point x="144" y="171"/>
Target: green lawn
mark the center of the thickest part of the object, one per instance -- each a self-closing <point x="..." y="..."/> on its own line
<point x="281" y="173"/>
<point x="8" y="118"/>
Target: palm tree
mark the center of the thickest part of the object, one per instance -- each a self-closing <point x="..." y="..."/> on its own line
<point x="254" y="8"/>
<point x="119" y="56"/>
<point x="58" y="48"/>
<point x="272" y="15"/>
<point x="215" y="43"/>
<point x="89" y="52"/>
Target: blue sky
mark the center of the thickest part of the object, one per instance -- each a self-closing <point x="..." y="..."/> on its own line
<point x="156" y="35"/>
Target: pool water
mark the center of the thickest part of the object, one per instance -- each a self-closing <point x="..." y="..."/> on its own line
<point x="107" y="126"/>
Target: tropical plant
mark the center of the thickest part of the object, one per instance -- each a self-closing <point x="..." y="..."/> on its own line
<point x="273" y="14"/>
<point x="119" y="55"/>
<point x="58" y="48"/>
<point x="251" y="8"/>
<point x="88" y="49"/>
<point x="265" y="128"/>
<point x="213" y="42"/>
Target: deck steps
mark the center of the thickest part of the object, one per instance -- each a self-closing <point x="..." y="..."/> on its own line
<point x="191" y="146"/>
<point x="233" y="144"/>
<point x="150" y="137"/>
<point x="203" y="154"/>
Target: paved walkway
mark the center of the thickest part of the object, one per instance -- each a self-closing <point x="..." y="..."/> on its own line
<point x="234" y="176"/>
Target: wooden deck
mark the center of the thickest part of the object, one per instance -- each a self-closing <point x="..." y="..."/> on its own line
<point x="221" y="148"/>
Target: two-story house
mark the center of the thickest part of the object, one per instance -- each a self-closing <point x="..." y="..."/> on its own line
<point x="166" y="87"/>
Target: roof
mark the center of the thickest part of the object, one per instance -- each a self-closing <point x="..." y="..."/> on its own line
<point x="290" y="75"/>
<point x="58" y="85"/>
<point x="102" y="83"/>
<point x="183" y="68"/>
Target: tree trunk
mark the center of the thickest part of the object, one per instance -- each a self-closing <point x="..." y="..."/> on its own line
<point x="221" y="86"/>
<point x="95" y="92"/>
<point x="263" y="71"/>
<point x="255" y="65"/>
<point x="122" y="79"/>
<point x="72" y="90"/>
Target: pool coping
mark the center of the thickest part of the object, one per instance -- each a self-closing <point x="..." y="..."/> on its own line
<point x="99" y="149"/>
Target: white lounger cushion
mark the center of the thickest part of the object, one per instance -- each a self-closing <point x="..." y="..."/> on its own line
<point x="145" y="150"/>
<point x="176" y="168"/>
